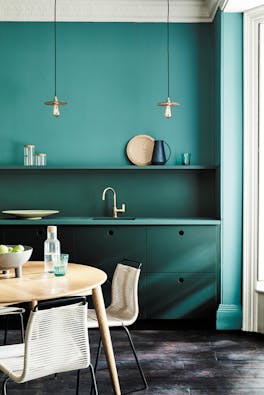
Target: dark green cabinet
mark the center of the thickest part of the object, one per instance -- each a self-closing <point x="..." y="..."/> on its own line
<point x="180" y="264"/>
<point x="186" y="248"/>
<point x="182" y="272"/>
<point x="105" y="246"/>
<point x="181" y="295"/>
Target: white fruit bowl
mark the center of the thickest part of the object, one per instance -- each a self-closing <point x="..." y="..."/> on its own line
<point x="15" y="260"/>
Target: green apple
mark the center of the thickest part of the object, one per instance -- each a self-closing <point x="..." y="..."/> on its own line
<point x="10" y="249"/>
<point x="3" y="249"/>
<point x="18" y="248"/>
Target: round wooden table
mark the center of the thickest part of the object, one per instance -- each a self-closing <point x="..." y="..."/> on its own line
<point x="35" y="285"/>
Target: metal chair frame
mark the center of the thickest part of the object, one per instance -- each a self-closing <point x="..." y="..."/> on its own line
<point x="35" y="327"/>
<point x="132" y="312"/>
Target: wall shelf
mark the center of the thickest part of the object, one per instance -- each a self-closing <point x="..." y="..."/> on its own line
<point x="108" y="168"/>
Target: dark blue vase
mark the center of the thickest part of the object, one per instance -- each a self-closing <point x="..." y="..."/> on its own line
<point x="159" y="155"/>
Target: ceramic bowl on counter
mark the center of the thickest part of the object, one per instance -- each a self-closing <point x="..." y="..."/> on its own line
<point x="15" y="260"/>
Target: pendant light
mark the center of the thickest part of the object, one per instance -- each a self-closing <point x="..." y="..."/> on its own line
<point x="168" y="103"/>
<point x="55" y="102"/>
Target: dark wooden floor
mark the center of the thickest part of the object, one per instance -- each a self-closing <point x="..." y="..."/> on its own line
<point x="183" y="361"/>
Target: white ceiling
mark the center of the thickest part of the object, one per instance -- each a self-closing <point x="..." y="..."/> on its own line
<point x="240" y="5"/>
<point x="120" y="10"/>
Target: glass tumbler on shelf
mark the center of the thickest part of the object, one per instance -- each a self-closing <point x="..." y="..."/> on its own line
<point x="186" y="158"/>
<point x="41" y="159"/>
<point x="29" y="155"/>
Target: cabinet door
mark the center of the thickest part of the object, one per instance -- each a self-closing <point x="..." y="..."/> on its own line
<point x="105" y="246"/>
<point x="182" y="249"/>
<point x="34" y="236"/>
<point x="181" y="295"/>
<point x="182" y="272"/>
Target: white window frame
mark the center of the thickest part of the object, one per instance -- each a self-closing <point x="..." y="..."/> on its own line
<point x="261" y="156"/>
<point x="252" y="289"/>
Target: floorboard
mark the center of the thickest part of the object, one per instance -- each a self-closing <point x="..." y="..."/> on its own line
<point x="175" y="362"/>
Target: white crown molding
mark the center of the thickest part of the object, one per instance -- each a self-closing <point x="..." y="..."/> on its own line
<point x="212" y="7"/>
<point x="108" y="10"/>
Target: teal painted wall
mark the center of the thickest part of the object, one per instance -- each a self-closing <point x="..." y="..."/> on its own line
<point x="146" y="194"/>
<point x="231" y="124"/>
<point x="112" y="75"/>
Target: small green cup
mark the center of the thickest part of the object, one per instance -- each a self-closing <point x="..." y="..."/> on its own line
<point x="60" y="268"/>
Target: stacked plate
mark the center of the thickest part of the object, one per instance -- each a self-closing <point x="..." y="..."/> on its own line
<point x="30" y="214"/>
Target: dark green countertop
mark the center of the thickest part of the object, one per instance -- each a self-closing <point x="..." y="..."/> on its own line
<point x="90" y="221"/>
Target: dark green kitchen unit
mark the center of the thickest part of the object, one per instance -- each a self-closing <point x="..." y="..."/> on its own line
<point x="105" y="246"/>
<point x="182" y="272"/>
<point x="180" y="263"/>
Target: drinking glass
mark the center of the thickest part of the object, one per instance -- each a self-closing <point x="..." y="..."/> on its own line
<point x="60" y="267"/>
<point x="186" y="158"/>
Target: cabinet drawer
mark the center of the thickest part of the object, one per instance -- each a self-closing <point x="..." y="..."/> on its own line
<point x="105" y="246"/>
<point x="182" y="249"/>
<point x="181" y="295"/>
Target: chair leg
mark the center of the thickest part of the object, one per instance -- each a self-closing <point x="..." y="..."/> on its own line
<point x="22" y="328"/>
<point x="6" y="329"/>
<point x="99" y="348"/>
<point x="136" y="358"/>
<point x="94" y="384"/>
<point x="3" y="389"/>
<point x="78" y="382"/>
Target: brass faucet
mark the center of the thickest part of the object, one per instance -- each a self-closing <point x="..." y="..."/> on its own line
<point x="115" y="209"/>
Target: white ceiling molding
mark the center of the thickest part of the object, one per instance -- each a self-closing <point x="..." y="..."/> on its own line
<point x="108" y="10"/>
<point x="212" y="7"/>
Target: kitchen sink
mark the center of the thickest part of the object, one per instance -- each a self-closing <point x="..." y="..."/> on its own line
<point x="111" y="218"/>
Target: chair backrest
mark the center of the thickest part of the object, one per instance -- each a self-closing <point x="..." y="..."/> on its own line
<point x="125" y="292"/>
<point x="56" y="341"/>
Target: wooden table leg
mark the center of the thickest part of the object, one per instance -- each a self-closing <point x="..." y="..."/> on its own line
<point x="33" y="304"/>
<point x="105" y="335"/>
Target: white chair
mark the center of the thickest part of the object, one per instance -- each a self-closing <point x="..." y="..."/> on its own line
<point x="123" y="310"/>
<point x="56" y="341"/>
<point x="9" y="311"/>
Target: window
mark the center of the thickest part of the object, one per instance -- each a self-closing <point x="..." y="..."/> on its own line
<point x="261" y="155"/>
<point x="253" y="192"/>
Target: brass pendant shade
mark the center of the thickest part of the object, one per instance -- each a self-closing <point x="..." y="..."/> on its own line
<point x="168" y="103"/>
<point x="56" y="103"/>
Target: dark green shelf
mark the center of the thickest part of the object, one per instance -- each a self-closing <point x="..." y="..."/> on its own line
<point x="107" y="168"/>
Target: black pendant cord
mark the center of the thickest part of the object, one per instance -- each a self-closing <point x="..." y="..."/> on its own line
<point x="168" y="46"/>
<point x="55" y="47"/>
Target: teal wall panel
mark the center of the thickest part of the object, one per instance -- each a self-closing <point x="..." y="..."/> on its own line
<point x="112" y="75"/>
<point x="79" y="193"/>
<point x="229" y="313"/>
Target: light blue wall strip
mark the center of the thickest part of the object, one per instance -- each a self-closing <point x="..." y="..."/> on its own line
<point x="231" y="169"/>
